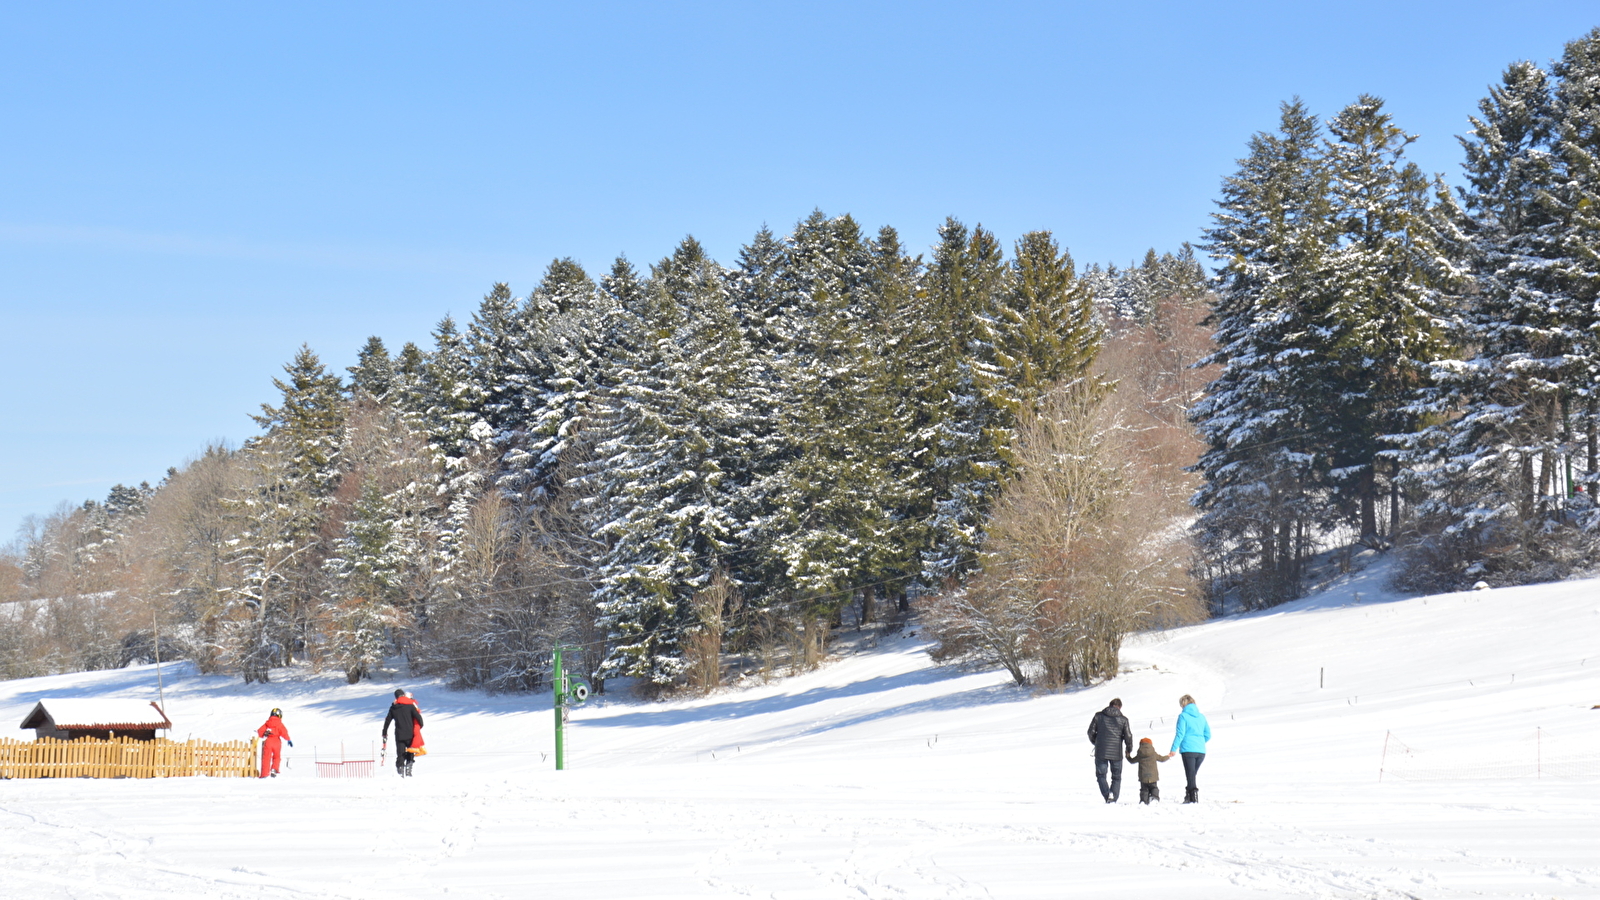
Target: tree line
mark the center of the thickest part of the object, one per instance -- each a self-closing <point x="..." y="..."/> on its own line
<point x="663" y="469"/>
<point x="1401" y="363"/>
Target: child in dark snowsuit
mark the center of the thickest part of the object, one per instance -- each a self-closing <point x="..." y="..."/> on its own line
<point x="1147" y="757"/>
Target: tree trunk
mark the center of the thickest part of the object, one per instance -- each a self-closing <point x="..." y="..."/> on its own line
<point x="1299" y="544"/>
<point x="1594" y="438"/>
<point x="1394" y="504"/>
<point x="1527" y="492"/>
<point x="1546" y="480"/>
<point x="1288" y="585"/>
<point x="1369" y="503"/>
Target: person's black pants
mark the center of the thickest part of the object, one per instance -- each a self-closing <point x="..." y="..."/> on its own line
<point x="1191" y="768"/>
<point x="1113" y="791"/>
<point x="402" y="755"/>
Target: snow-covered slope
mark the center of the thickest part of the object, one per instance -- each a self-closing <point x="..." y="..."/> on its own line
<point x="881" y="775"/>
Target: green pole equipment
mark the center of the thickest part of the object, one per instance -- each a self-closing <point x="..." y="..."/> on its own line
<point x="558" y="683"/>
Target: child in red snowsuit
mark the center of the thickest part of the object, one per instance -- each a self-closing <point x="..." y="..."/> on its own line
<point x="271" y="732"/>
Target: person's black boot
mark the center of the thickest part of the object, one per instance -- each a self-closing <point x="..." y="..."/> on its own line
<point x="1191" y="795"/>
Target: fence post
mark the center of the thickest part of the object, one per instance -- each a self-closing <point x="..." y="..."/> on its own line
<point x="1384" y="759"/>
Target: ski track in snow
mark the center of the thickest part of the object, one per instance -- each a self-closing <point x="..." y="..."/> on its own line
<point x="882" y="777"/>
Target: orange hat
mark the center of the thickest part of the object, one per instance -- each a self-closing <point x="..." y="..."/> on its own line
<point x="1146" y="741"/>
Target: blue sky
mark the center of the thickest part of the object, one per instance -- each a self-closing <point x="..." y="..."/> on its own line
<point x="189" y="192"/>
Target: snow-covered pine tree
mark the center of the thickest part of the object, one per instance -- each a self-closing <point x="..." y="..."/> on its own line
<point x="103" y="529"/>
<point x="761" y="295"/>
<point x="1045" y="328"/>
<point x="274" y="541"/>
<point x="623" y="309"/>
<point x="562" y="354"/>
<point x="1133" y="295"/>
<point x="1499" y="415"/>
<point x="1178" y="284"/>
<point x="900" y="430"/>
<point x="451" y="398"/>
<point x="827" y="501"/>
<point x="675" y="415"/>
<point x="1263" y="463"/>
<point x="366" y="569"/>
<point x="410" y="372"/>
<point x="765" y="301"/>
<point x="309" y="422"/>
<point x="494" y="343"/>
<point x="962" y="282"/>
<point x="1576" y="201"/>
<point x="373" y="374"/>
<point x="1132" y="298"/>
<point x="1178" y="275"/>
<point x="295" y="472"/>
<point x="387" y="565"/>
<point x="451" y="401"/>
<point x="1381" y="328"/>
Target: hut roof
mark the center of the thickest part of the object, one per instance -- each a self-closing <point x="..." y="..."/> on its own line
<point x="104" y="712"/>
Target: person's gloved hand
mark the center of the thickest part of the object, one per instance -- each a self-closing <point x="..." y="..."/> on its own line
<point x="291" y="743"/>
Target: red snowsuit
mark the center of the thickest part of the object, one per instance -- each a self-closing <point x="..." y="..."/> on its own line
<point x="272" y="734"/>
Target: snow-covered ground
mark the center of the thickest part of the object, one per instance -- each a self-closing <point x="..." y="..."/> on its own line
<point x="883" y="776"/>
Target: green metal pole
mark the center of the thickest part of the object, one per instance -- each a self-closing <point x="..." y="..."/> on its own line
<point x="558" y="682"/>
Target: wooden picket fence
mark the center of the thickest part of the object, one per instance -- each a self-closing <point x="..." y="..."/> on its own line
<point x="122" y="757"/>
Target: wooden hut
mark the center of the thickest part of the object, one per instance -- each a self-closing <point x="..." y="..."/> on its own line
<point x="97" y="718"/>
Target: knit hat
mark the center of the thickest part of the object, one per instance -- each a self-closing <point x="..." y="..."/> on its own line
<point x="1146" y="741"/>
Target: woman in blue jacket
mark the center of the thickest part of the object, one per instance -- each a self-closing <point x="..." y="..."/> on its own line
<point x="1190" y="739"/>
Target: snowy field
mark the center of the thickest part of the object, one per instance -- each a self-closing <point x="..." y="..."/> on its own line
<point x="882" y="776"/>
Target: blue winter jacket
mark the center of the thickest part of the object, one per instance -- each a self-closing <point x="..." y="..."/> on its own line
<point x="1193" y="731"/>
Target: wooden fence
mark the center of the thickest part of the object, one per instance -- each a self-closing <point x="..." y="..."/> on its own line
<point x="126" y="758"/>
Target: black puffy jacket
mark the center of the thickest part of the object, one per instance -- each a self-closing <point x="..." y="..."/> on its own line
<point x="1110" y="732"/>
<point x="406" y="719"/>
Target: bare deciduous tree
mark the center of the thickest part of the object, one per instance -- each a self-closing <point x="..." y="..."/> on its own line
<point x="1087" y="544"/>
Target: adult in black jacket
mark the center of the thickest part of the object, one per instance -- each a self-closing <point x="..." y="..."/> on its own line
<point x="403" y="713"/>
<point x="1113" y="740"/>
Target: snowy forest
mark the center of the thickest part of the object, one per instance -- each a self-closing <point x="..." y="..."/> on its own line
<point x="1402" y="365"/>
<point x="672" y="469"/>
<point x="660" y="469"/>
